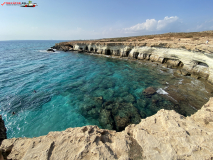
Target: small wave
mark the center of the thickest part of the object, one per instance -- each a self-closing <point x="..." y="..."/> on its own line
<point x="193" y="107"/>
<point x="161" y="91"/>
<point x="172" y="98"/>
<point x="42" y="51"/>
<point x="45" y="51"/>
<point x="180" y="81"/>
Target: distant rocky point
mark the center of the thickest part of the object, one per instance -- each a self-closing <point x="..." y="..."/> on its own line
<point x="191" y="53"/>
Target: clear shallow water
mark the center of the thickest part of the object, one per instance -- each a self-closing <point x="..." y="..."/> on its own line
<point x="67" y="85"/>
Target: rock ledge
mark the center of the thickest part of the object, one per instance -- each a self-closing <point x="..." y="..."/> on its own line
<point x="165" y="135"/>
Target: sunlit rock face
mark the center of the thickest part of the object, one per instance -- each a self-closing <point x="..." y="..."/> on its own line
<point x="189" y="63"/>
<point x="165" y="135"/>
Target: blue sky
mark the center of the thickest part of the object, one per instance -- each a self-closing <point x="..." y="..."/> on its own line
<point x="92" y="19"/>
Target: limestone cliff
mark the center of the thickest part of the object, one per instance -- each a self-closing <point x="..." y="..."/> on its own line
<point x="189" y="54"/>
<point x="165" y="135"/>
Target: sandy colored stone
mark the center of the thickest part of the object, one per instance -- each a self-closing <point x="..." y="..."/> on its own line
<point x="165" y="135"/>
<point x="191" y="54"/>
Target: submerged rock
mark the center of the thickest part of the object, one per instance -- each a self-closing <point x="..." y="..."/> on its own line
<point x="165" y="135"/>
<point x="118" y="115"/>
<point x="91" y="107"/>
<point x="106" y="120"/>
<point x="148" y="92"/>
<point x="129" y="98"/>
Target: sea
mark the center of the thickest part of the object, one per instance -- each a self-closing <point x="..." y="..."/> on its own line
<point x="44" y="91"/>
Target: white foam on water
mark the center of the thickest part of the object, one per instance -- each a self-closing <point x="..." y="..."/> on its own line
<point x="198" y="84"/>
<point x="193" y="107"/>
<point x="161" y="91"/>
<point x="44" y="51"/>
<point x="172" y="98"/>
<point x="180" y="82"/>
<point x="170" y="70"/>
<point x="161" y="71"/>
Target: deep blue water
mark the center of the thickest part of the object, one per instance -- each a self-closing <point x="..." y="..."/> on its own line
<point x="66" y="81"/>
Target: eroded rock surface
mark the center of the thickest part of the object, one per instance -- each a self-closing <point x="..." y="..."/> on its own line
<point x="191" y="56"/>
<point x="165" y="135"/>
<point x="111" y="115"/>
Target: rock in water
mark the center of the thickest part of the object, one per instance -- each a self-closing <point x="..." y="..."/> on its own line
<point x="50" y="50"/>
<point x="3" y="130"/>
<point x="148" y="92"/>
<point x="117" y="116"/>
<point x="105" y="119"/>
<point x="165" y="135"/>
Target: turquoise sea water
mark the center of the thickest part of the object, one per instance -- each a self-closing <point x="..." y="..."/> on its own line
<point x="66" y="81"/>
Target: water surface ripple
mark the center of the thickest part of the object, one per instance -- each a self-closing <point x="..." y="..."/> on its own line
<point x="74" y="90"/>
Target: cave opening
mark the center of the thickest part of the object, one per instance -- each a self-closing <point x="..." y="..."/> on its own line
<point x="135" y="55"/>
<point x="108" y="52"/>
<point x="202" y="64"/>
<point x="127" y="53"/>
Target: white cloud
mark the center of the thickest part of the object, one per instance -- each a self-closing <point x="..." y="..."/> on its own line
<point x="150" y="24"/>
<point x="153" y="25"/>
<point x="166" y="22"/>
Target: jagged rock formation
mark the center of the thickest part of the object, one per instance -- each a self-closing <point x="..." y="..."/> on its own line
<point x="165" y="135"/>
<point x="190" y="56"/>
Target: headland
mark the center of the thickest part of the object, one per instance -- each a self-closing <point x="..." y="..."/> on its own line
<point x="189" y="52"/>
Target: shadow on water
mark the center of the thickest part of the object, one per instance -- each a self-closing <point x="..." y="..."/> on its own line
<point x="19" y="103"/>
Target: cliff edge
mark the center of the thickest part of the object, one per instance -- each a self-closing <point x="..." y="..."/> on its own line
<point x="165" y="135"/>
<point x="190" y="53"/>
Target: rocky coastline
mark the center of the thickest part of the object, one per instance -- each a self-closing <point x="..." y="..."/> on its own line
<point x="190" y="56"/>
<point x="165" y="135"/>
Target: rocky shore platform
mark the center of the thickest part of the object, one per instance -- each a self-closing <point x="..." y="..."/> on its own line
<point x="190" y="53"/>
<point x="165" y="135"/>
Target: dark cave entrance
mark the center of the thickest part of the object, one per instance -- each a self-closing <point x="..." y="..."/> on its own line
<point x="108" y="52"/>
